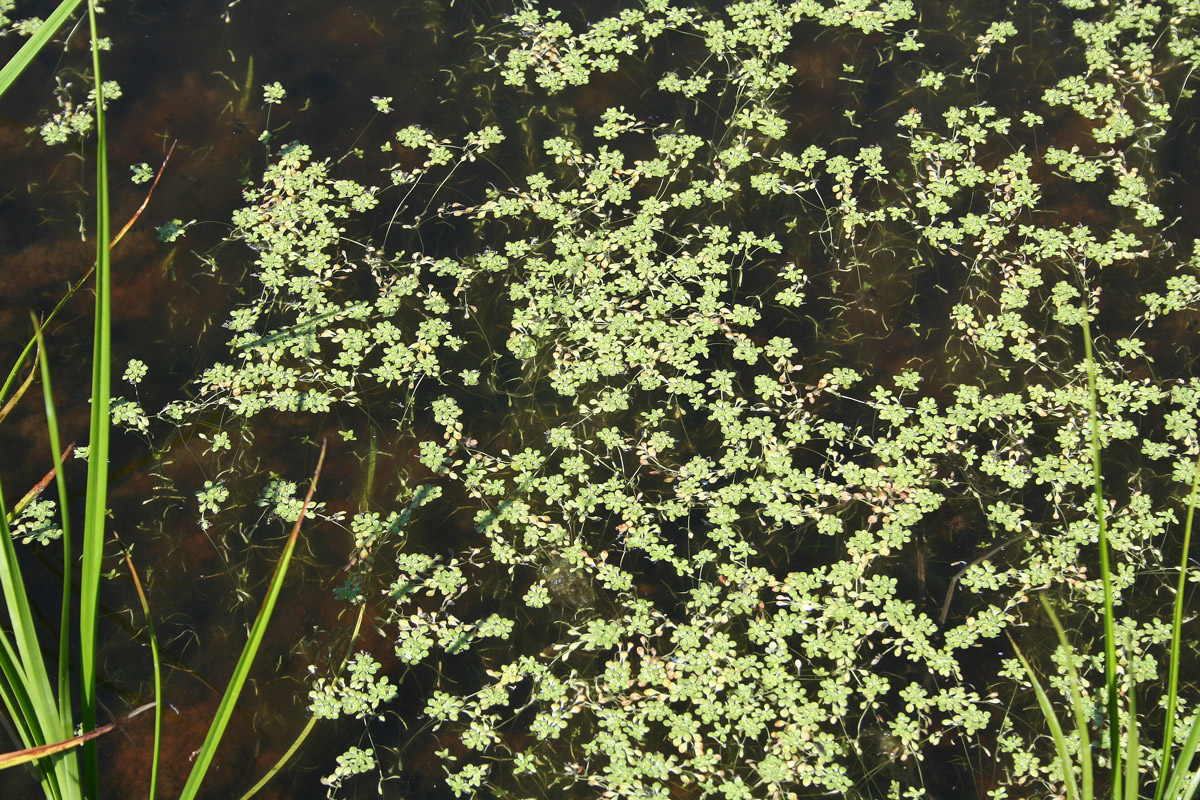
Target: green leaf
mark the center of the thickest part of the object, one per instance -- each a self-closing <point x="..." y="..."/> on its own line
<point x="17" y="64"/>
<point x="242" y="670"/>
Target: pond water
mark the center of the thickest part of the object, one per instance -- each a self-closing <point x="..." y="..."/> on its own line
<point x="883" y="297"/>
<point x="191" y="79"/>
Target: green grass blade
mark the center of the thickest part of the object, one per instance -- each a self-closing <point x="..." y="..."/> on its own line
<point x="240" y="672"/>
<point x="13" y="689"/>
<point x="64" y="638"/>
<point x="23" y="716"/>
<point x="66" y="766"/>
<point x="11" y="403"/>
<point x="1176" y="642"/>
<point x="12" y="684"/>
<point x="17" y="64"/>
<point x="12" y="376"/>
<point x="1110" y="643"/>
<point x="1182" y="770"/>
<point x="157" y="748"/>
<point x="25" y="669"/>
<point x="1133" y="776"/>
<point x="97" y="475"/>
<point x="312" y="721"/>
<point x="1078" y="707"/>
<point x="1193" y="785"/>
<point x="1056" y="732"/>
<point x="283" y="759"/>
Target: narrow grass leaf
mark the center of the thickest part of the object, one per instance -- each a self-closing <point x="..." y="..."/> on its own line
<point x="64" y="626"/>
<point x="97" y="476"/>
<point x="1079" y="707"/>
<point x="1183" y="766"/>
<point x="25" y="670"/>
<point x="1110" y="643"/>
<point x="312" y="721"/>
<point x="1132" y="755"/>
<point x="1060" y="741"/>
<point x="1176" y="642"/>
<point x="240" y="672"/>
<point x="157" y="747"/>
<point x="18" y="63"/>
<point x="12" y="401"/>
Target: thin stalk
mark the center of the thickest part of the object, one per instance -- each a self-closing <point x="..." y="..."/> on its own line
<point x="1181" y="772"/>
<point x="97" y="475"/>
<point x="157" y="748"/>
<point x="1070" y="785"/>
<point x="8" y="760"/>
<point x="66" y="720"/>
<point x="1110" y="643"/>
<point x="363" y="504"/>
<point x="1133" y="775"/>
<point x="12" y="401"/>
<point x="1078" y="707"/>
<point x="1176" y="641"/>
<point x="242" y="670"/>
<point x="18" y="63"/>
<point x="312" y="721"/>
<point x="41" y="715"/>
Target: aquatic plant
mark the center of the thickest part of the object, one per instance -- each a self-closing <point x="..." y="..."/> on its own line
<point x="691" y="299"/>
<point x="40" y="707"/>
<point x="751" y="410"/>
<point x="1175" y="778"/>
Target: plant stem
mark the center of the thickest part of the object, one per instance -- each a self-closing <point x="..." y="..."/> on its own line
<point x="1110" y="644"/>
<point x="97" y="478"/>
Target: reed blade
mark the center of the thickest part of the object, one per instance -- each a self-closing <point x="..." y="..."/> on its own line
<point x="21" y="60"/>
<point x="242" y="671"/>
<point x="98" y="441"/>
